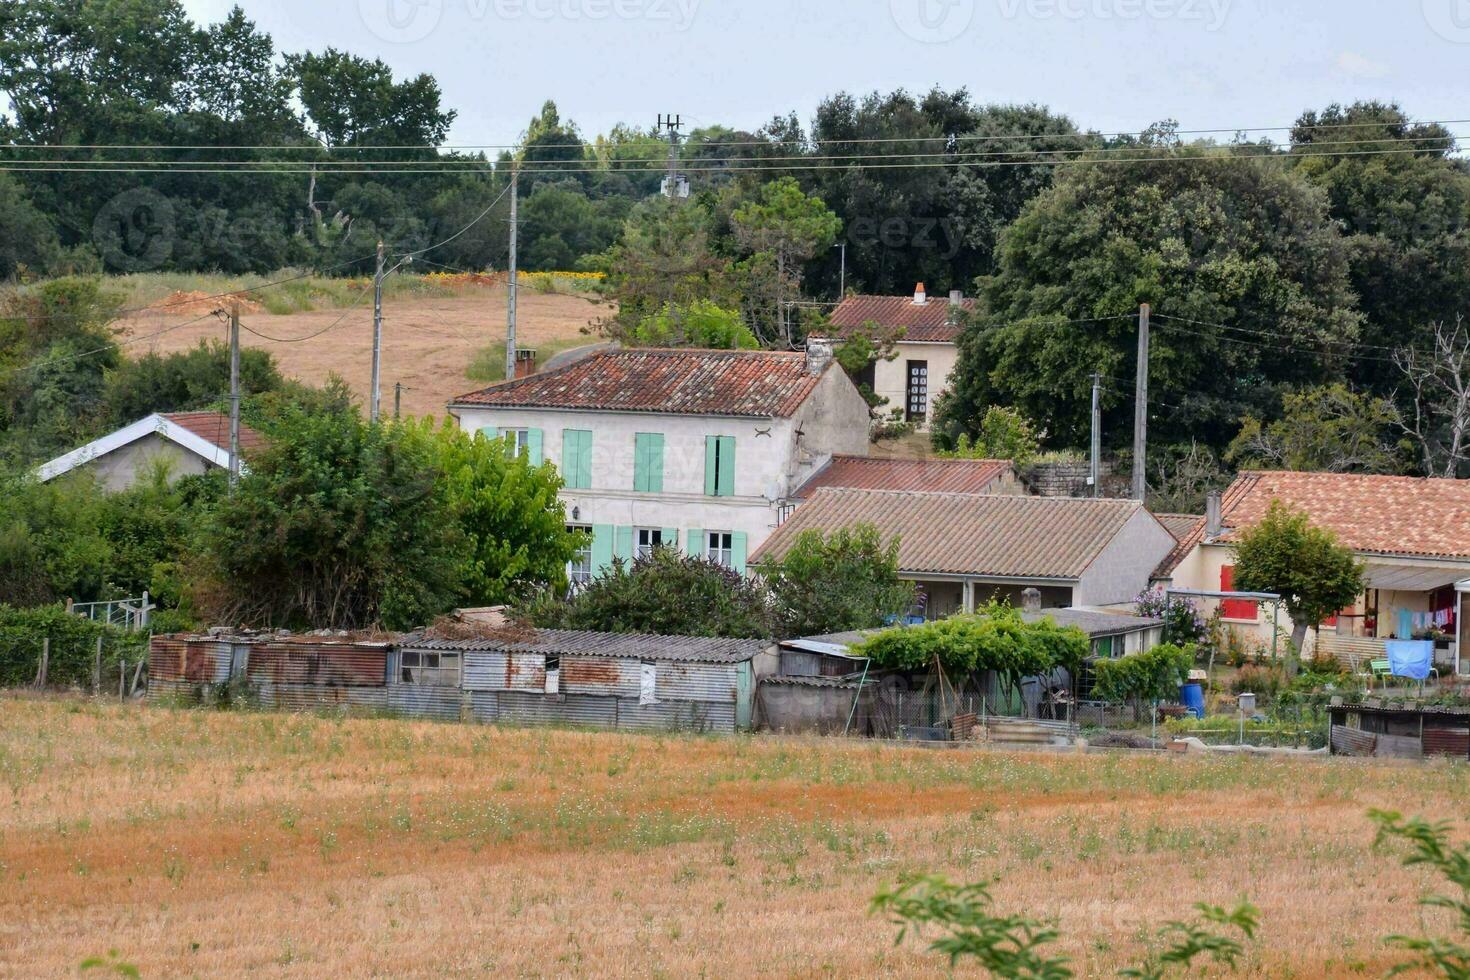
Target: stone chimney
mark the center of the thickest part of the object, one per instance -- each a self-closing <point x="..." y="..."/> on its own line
<point x="818" y="354"/>
<point x="1213" y="521"/>
<point x="1031" y="600"/>
<point x="956" y="303"/>
<point x="920" y="297"/>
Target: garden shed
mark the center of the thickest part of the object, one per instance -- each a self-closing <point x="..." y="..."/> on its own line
<point x="1404" y="730"/>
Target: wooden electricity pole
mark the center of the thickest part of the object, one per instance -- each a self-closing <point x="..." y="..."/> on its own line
<point x="1140" y="409"/>
<point x="510" y="304"/>
<point x="234" y="394"/>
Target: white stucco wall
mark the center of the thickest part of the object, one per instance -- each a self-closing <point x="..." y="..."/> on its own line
<point x="121" y="468"/>
<point x="890" y="378"/>
<point x="1124" y="567"/>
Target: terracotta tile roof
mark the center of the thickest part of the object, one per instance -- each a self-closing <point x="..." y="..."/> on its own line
<point x="968" y="534"/>
<point x="214" y="427"/>
<point x="1395" y="515"/>
<point x="932" y="475"/>
<point x="1179" y="524"/>
<point x="930" y="322"/>
<point x="762" y="384"/>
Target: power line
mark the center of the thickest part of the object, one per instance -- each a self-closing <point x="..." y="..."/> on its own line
<point x="472" y="166"/>
<point x="807" y="141"/>
<point x="757" y="167"/>
<point x="35" y="365"/>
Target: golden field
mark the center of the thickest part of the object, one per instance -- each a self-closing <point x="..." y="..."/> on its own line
<point x="206" y="843"/>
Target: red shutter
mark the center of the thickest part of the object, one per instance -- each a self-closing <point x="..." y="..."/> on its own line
<point x="1247" y="609"/>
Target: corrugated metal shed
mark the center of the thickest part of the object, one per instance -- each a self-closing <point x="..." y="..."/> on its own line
<point x="313" y="662"/>
<point x="426" y="701"/>
<point x="634" y="646"/>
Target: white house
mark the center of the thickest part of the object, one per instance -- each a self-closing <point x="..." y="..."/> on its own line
<point x="695" y="449"/>
<point x="926" y="354"/>
<point x="189" y="443"/>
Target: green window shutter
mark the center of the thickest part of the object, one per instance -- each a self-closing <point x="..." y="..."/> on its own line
<point x="490" y="432"/>
<point x="694" y="542"/>
<point x="739" y="544"/>
<point x="725" y="478"/>
<point x="576" y="459"/>
<point x="602" y="547"/>
<point x="709" y="464"/>
<point x="623" y="544"/>
<point x="535" y="446"/>
<point x="671" y="537"/>
<point x="648" y="462"/>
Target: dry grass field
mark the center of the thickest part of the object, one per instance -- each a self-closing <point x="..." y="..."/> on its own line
<point x="430" y="340"/>
<point x="203" y="843"/>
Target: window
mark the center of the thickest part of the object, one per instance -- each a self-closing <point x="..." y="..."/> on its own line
<point x="719" y="466"/>
<point x="1244" y="609"/>
<point x="648" y="539"/>
<point x="553" y="675"/>
<point x="429" y="667"/>
<point x="648" y="462"/>
<point x="576" y="459"/>
<point x="579" y="569"/>
<point x="1108" y="647"/>
<point x="720" y="548"/>
<point x="918" y="390"/>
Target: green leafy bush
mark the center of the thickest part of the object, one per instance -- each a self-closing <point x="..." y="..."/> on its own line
<point x="701" y="324"/>
<point x="73" y="646"/>
<point x="1154" y="675"/>
<point x="830" y="583"/>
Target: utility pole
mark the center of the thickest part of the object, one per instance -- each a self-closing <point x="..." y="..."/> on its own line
<point x="234" y="394"/>
<point x="1095" y="469"/>
<point x="1140" y="408"/>
<point x="671" y="181"/>
<point x="842" y="275"/>
<point x="377" y="335"/>
<point x="397" y="398"/>
<point x="510" y="303"/>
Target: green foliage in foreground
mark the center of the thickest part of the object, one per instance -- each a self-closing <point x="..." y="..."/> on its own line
<point x="845" y="580"/>
<point x="1153" y="675"/>
<point x="1012" y="945"/>
<point x="73" y="646"/>
<point x="1430" y="847"/>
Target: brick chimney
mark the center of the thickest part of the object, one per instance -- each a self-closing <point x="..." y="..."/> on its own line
<point x="920" y="297"/>
<point x="1214" y="523"/>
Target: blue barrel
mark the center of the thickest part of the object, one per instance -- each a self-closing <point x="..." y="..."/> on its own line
<point x="1194" y="699"/>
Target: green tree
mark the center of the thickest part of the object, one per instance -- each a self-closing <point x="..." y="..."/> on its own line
<point x="831" y="583"/>
<point x="703" y="324"/>
<point x="861" y="349"/>
<point x="1329" y="428"/>
<point x="28" y="242"/>
<point x="1003" y="433"/>
<point x="1140" y="678"/>
<point x="514" y="537"/>
<point x="663" y="593"/>
<point x="353" y="101"/>
<point x="790" y="227"/>
<point x="1315" y="576"/>
<point x="196" y="378"/>
<point x="338" y="525"/>
<point x="1215" y="236"/>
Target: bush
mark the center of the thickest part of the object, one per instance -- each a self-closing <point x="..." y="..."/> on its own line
<point x="1183" y="624"/>
<point x="1154" y="675"/>
<point x="1265" y="681"/>
<point x="662" y="593"/>
<point x="73" y="646"/>
<point x="846" y="580"/>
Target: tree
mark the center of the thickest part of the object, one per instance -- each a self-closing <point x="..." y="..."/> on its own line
<point x="703" y="324"/>
<point x="831" y="583"/>
<point x="663" y="593"/>
<point x="1220" y="237"/>
<point x="1183" y="625"/>
<point x="1437" y="417"/>
<point x="1329" y="428"/>
<point x="28" y="241"/>
<point x="353" y="101"/>
<point x="1315" y="576"/>
<point x="1140" y="678"/>
<point x="196" y="378"/>
<point x="513" y="528"/>
<point x="337" y="525"/>
<point x="1185" y="474"/>
<point x="790" y="227"/>
<point x="861" y="348"/>
<point x="1004" y="433"/>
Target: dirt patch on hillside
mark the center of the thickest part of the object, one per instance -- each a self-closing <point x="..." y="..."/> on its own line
<point x="427" y="343"/>
<point x="195" y="302"/>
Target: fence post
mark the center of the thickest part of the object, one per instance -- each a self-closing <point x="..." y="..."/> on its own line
<point x="122" y="677"/>
<point x="137" y="675"/>
<point x="97" y="668"/>
<point x="45" y="661"/>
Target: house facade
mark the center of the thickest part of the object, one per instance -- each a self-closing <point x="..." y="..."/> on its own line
<point x="187" y="443"/>
<point x="926" y="355"/>
<point x="963" y="550"/>
<point x="690" y="449"/>
<point x="1412" y="536"/>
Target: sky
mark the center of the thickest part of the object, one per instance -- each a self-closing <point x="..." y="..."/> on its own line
<point x="1112" y="65"/>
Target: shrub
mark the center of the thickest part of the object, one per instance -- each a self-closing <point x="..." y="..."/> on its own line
<point x="1154" y="675"/>
<point x="73" y="646"/>
<point x="845" y="580"/>
<point x="1183" y="624"/>
<point x="1266" y="681"/>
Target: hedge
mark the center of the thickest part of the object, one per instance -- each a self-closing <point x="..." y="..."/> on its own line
<point x="73" y="647"/>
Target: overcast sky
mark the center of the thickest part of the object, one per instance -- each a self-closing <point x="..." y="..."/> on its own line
<point x="1112" y="65"/>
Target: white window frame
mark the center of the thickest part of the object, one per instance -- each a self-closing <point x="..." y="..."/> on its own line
<point x="522" y="439"/>
<point x="719" y="547"/>
<point x="429" y="668"/>
<point x="579" y="569"/>
<point x="655" y="537"/>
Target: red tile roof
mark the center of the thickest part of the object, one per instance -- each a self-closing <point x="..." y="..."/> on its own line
<point x="931" y="322"/>
<point x="1388" y="515"/>
<point x="1006" y="536"/>
<point x="762" y="384"/>
<point x="214" y="427"/>
<point x="938" y="475"/>
<point x="1178" y="524"/>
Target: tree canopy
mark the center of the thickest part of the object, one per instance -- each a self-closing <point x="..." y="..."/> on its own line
<point x="844" y="580"/>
